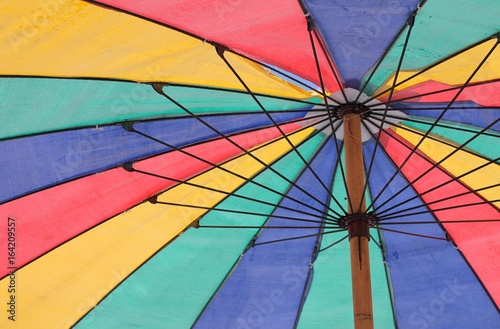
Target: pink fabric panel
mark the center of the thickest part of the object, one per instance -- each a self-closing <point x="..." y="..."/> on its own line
<point x="469" y="237"/>
<point x="482" y="94"/>
<point x="50" y="217"/>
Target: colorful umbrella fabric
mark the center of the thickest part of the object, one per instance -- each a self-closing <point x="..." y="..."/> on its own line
<point x="178" y="164"/>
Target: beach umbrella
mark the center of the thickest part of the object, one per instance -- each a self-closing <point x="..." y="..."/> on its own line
<point x="250" y="164"/>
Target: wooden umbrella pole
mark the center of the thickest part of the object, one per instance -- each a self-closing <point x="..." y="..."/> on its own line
<point x="357" y="223"/>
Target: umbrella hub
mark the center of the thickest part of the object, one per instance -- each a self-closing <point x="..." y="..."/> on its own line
<point x="367" y="219"/>
<point x="350" y="108"/>
<point x="375" y="115"/>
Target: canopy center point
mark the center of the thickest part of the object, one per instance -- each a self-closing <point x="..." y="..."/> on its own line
<point x="375" y="115"/>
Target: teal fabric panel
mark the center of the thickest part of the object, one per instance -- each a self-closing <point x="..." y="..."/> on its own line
<point x="442" y="19"/>
<point x="329" y="302"/>
<point x="44" y="105"/>
<point x="171" y="289"/>
<point x="480" y="143"/>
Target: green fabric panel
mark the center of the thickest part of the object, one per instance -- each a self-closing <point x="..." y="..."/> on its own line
<point x="43" y="105"/>
<point x="484" y="144"/>
<point x="434" y="35"/>
<point x="329" y="302"/>
<point x="172" y="288"/>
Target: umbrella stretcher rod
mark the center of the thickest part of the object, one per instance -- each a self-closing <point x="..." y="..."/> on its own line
<point x="357" y="223"/>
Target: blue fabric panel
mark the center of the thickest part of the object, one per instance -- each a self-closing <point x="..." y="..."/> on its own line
<point x="462" y="112"/>
<point x="270" y="279"/>
<point x="449" y="294"/>
<point x="357" y="32"/>
<point x="35" y="162"/>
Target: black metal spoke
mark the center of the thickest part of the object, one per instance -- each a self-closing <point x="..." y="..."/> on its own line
<point x="410" y="23"/>
<point x="239" y="212"/>
<point x="460" y="147"/>
<point x="297" y="100"/>
<point x="159" y="89"/>
<point x="318" y="67"/>
<point x="249" y="180"/>
<point x="456" y="128"/>
<point x="130" y="128"/>
<point x="461" y="221"/>
<point x="334" y="243"/>
<point x="436" y="122"/>
<point x="411" y="19"/>
<point x="384" y="212"/>
<point x="128" y="167"/>
<point x="375" y="241"/>
<point x="438" y="63"/>
<point x="279" y="227"/>
<point x="298" y="237"/>
<point x="283" y="195"/>
<point x="419" y="195"/>
<point x="330" y="62"/>
<point x="220" y="51"/>
<point x="334" y="129"/>
<point x="340" y="167"/>
<point x="389" y="217"/>
<point x="412" y="234"/>
<point x="433" y="165"/>
<point x="141" y="120"/>
<point x="451" y="180"/>
<point x="443" y="90"/>
<point x="440" y="108"/>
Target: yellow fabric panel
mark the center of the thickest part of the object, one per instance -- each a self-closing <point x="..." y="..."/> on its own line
<point x="68" y="38"/>
<point x="62" y="286"/>
<point x="459" y="163"/>
<point x="456" y="70"/>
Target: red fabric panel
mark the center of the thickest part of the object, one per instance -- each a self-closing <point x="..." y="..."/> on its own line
<point x="483" y="94"/>
<point x="479" y="242"/>
<point x="50" y="217"/>
<point x="278" y="37"/>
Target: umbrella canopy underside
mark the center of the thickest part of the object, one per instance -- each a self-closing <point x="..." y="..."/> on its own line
<point x="180" y="163"/>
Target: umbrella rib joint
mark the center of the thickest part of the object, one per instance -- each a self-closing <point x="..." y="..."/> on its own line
<point x="358" y="224"/>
